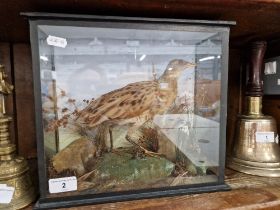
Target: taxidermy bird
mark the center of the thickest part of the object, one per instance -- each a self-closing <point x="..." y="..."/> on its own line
<point x="136" y="102"/>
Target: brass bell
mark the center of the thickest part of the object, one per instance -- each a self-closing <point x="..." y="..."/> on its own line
<point x="256" y="149"/>
<point x="14" y="170"/>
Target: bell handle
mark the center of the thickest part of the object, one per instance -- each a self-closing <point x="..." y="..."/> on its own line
<point x="254" y="85"/>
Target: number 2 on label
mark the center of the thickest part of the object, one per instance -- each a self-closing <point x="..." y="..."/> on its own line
<point x="63" y="185"/>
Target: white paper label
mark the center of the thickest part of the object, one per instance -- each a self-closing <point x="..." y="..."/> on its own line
<point x="65" y="184"/>
<point x="278" y="81"/>
<point x="264" y="137"/>
<point x="163" y="85"/>
<point x="56" y="41"/>
<point x="6" y="194"/>
<point x="270" y="68"/>
<point x="54" y="75"/>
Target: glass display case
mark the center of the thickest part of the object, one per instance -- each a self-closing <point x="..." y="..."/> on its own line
<point x="128" y="108"/>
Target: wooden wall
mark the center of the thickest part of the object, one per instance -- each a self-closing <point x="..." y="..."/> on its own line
<point x="234" y="94"/>
<point x="24" y="100"/>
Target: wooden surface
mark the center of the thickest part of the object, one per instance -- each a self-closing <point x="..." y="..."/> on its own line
<point x="248" y="192"/>
<point x="25" y="113"/>
<point x="237" y="199"/>
<point x="234" y="94"/>
<point x="256" y="19"/>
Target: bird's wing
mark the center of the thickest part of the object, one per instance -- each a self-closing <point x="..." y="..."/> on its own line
<point x="127" y="102"/>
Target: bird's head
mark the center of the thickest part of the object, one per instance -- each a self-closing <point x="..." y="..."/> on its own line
<point x="176" y="67"/>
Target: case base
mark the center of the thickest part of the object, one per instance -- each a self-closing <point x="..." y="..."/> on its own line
<point x="87" y="200"/>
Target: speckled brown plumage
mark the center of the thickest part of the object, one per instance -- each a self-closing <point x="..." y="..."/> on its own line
<point x="136" y="101"/>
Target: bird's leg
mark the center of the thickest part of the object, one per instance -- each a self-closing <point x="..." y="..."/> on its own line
<point x="111" y="138"/>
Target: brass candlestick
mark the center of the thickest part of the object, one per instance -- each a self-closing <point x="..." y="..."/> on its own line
<point x="14" y="170"/>
<point x="256" y="150"/>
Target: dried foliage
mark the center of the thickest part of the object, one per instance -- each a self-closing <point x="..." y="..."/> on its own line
<point x="149" y="139"/>
<point x="68" y="112"/>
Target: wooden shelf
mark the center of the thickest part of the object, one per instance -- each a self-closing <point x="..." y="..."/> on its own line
<point x="248" y="192"/>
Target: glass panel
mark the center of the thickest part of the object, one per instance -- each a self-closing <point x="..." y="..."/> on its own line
<point x="129" y="109"/>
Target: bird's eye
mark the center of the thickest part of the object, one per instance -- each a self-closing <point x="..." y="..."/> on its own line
<point x="169" y="69"/>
